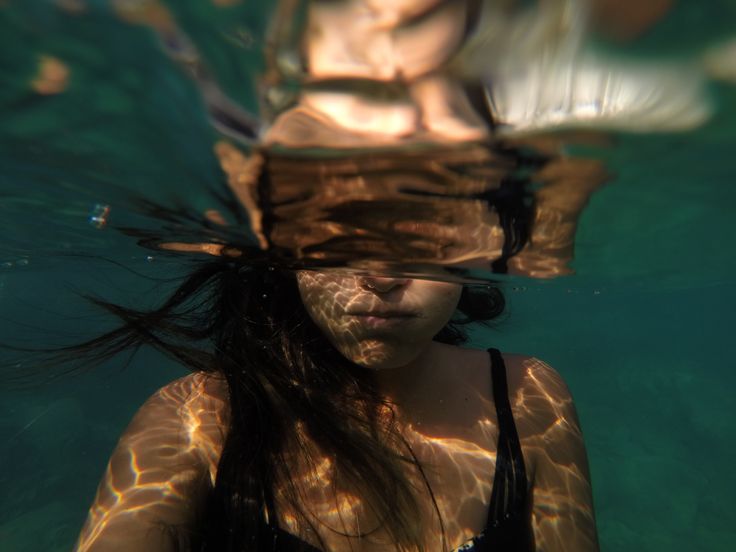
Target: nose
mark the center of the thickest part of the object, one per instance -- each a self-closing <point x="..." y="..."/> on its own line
<point x="380" y="284"/>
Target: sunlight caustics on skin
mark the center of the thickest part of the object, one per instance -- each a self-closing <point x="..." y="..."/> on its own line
<point x="376" y="74"/>
<point x="363" y="324"/>
<point x="167" y="458"/>
<point x="183" y="423"/>
<point x="375" y="322"/>
<point x="546" y="416"/>
<point x="542" y="408"/>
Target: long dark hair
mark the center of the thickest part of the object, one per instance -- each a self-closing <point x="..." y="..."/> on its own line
<point x="285" y="380"/>
<point x="289" y="388"/>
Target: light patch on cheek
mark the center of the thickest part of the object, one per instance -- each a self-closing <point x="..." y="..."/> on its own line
<point x="325" y="298"/>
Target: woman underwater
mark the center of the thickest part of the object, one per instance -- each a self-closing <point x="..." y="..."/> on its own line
<point x="336" y="412"/>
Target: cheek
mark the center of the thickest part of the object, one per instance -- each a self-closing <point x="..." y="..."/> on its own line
<point x="441" y="301"/>
<point x="312" y="289"/>
<point x="324" y="297"/>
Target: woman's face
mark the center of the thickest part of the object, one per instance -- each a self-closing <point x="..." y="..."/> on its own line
<point x="378" y="322"/>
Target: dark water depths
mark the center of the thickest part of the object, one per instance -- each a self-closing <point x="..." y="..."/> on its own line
<point x="126" y="133"/>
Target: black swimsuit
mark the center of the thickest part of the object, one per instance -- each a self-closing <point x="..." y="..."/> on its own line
<point x="508" y="528"/>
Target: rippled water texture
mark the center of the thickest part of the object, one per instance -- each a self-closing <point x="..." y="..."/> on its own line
<point x="579" y="152"/>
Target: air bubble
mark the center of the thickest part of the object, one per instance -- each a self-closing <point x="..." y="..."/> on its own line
<point x="98" y="216"/>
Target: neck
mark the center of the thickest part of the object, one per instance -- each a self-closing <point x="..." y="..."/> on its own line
<point x="402" y="385"/>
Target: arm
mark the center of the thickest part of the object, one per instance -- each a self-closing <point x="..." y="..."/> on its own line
<point x="562" y="500"/>
<point x="159" y="471"/>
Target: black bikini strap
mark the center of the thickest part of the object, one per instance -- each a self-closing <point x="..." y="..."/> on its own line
<point x="508" y="497"/>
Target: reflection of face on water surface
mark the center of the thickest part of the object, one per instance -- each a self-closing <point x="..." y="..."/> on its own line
<point x="494" y="207"/>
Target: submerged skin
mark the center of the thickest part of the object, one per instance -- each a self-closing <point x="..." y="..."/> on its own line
<point x="160" y="471"/>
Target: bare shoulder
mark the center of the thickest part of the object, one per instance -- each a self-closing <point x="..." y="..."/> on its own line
<point x="204" y="393"/>
<point x="210" y="389"/>
<point x="563" y="518"/>
<point x="192" y="409"/>
<point x="160" y="469"/>
<point x="542" y="403"/>
<point x="528" y="374"/>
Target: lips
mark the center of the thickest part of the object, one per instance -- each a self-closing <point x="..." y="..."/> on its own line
<point x="382" y="319"/>
<point x="385" y="314"/>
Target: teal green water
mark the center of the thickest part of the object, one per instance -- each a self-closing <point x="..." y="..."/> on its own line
<point x="642" y="332"/>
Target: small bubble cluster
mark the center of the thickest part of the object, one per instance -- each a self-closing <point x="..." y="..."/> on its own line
<point x="98" y="216"/>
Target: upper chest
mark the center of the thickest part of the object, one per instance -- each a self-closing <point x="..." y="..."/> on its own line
<point x="454" y="451"/>
<point x="450" y="429"/>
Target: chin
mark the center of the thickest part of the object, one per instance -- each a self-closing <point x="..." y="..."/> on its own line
<point x="377" y="355"/>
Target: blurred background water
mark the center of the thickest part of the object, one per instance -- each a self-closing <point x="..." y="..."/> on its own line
<point x="641" y="331"/>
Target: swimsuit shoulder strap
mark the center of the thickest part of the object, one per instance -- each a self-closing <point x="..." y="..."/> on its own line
<point x="510" y="487"/>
